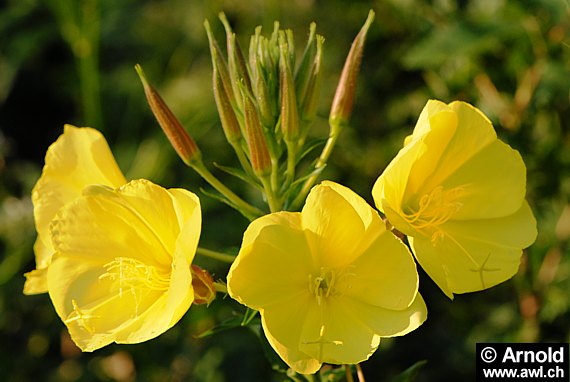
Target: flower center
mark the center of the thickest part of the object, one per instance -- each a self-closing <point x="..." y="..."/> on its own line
<point x="328" y="283"/>
<point x="434" y="209"/>
<point x="135" y="276"/>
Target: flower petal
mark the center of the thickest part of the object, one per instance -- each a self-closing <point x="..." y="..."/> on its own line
<point x="332" y="333"/>
<point x="384" y="275"/>
<point x="430" y="150"/>
<point x="494" y="183"/>
<point x="479" y="254"/>
<point x="282" y="324"/>
<point x="473" y="133"/>
<point x="387" y="322"/>
<point x="78" y="158"/>
<point x="275" y="265"/>
<point x="431" y="108"/>
<point x="333" y="218"/>
<point x="144" y="211"/>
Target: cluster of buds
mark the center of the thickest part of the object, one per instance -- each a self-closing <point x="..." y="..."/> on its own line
<point x="267" y="103"/>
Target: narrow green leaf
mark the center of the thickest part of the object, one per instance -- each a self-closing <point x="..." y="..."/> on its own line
<point x="410" y="374"/>
<point x="240" y="174"/>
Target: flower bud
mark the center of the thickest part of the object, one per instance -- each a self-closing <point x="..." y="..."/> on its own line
<point x="237" y="66"/>
<point x="182" y="142"/>
<point x="203" y="284"/>
<point x="303" y="74"/>
<point x="228" y="118"/>
<point x="289" y="114"/>
<point x="310" y="100"/>
<point x="344" y="96"/>
<point x="258" y="151"/>
<point x="219" y="64"/>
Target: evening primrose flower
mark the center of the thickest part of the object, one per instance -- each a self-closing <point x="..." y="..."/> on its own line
<point x="329" y="281"/>
<point x="458" y="192"/>
<point x="78" y="158"/>
<point x="122" y="267"/>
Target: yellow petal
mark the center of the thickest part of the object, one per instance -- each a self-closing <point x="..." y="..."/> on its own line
<point x="387" y="322"/>
<point x="384" y="275"/>
<point x="493" y="183"/>
<point x="478" y="254"/>
<point x="275" y="265"/>
<point x="390" y="186"/>
<point x="149" y="224"/>
<point x="335" y="220"/>
<point x="282" y="324"/>
<point x="431" y="108"/>
<point x="78" y="158"/>
<point x="333" y="333"/>
<point x="432" y="261"/>
<point x="473" y="133"/>
<point x="121" y="272"/>
<point x="430" y="152"/>
<point x="513" y="231"/>
<point x="36" y="281"/>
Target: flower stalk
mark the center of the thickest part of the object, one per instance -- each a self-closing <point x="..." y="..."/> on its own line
<point x="341" y="106"/>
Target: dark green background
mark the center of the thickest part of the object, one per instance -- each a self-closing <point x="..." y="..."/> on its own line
<point x="509" y="58"/>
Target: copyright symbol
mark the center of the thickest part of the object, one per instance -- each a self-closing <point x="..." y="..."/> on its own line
<point x="488" y="354"/>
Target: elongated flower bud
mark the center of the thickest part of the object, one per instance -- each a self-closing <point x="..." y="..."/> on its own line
<point x="289" y="113"/>
<point x="182" y="142"/>
<point x="344" y="96"/>
<point x="236" y="60"/>
<point x="220" y="64"/>
<point x="303" y="74"/>
<point x="310" y="100"/>
<point x="228" y="118"/>
<point x="203" y="284"/>
<point x="310" y="95"/>
<point x="258" y="151"/>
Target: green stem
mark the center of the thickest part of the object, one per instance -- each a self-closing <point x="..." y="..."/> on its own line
<point x="80" y="28"/>
<point x="220" y="287"/>
<point x="272" y="200"/>
<point x="242" y="157"/>
<point x="321" y="163"/>
<point x="215" y="255"/>
<point x="241" y="205"/>
<point x="88" y="58"/>
<point x="291" y="162"/>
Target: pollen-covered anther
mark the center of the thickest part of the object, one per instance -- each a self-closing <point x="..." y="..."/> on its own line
<point x="134" y="275"/>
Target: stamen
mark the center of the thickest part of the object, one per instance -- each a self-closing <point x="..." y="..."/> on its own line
<point x="434" y="209"/>
<point x="134" y="276"/>
<point x="330" y="283"/>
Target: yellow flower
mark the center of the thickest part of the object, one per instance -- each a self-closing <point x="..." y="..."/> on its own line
<point x="458" y="193"/>
<point x="121" y="270"/>
<point x="80" y="157"/>
<point x="329" y="281"/>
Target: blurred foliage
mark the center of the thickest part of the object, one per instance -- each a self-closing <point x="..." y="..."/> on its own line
<point x="64" y="61"/>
